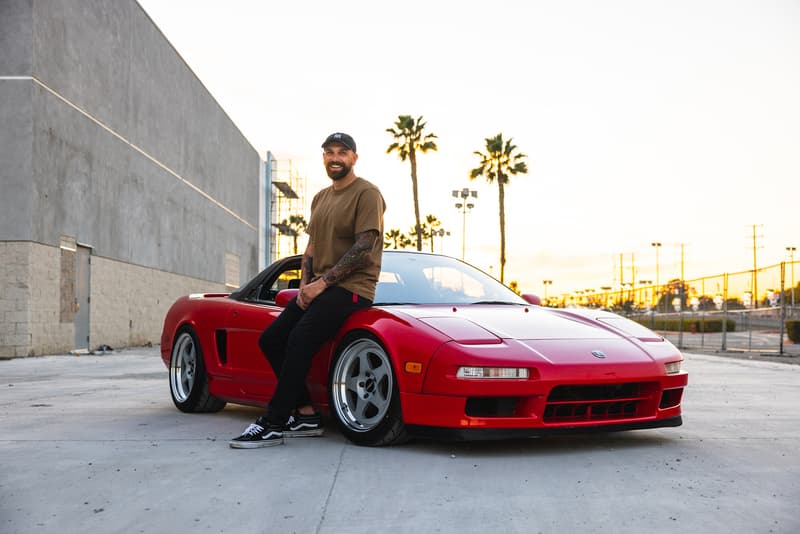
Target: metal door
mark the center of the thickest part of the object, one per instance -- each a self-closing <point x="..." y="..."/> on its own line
<point x="82" y="299"/>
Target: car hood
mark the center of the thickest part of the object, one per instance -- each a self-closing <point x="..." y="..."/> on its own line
<point x="507" y="322"/>
<point x="539" y="332"/>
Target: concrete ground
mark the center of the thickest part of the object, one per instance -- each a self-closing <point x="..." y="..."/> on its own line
<point x="94" y="444"/>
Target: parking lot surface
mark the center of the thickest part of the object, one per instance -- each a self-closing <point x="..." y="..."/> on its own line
<point x="94" y="444"/>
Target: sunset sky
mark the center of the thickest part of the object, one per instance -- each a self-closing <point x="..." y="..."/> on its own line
<point x="668" y="121"/>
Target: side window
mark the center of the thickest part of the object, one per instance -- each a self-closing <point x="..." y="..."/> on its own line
<point x="286" y="280"/>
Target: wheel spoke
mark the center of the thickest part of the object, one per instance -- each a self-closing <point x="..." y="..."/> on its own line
<point x="186" y="383"/>
<point x="381" y="393"/>
<point x="352" y="384"/>
<point x="381" y="371"/>
<point x="360" y="410"/>
<point x="363" y="364"/>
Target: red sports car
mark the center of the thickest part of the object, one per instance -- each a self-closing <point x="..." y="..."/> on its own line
<point x="446" y="351"/>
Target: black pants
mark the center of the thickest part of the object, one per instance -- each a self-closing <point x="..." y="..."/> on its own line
<point x="293" y="339"/>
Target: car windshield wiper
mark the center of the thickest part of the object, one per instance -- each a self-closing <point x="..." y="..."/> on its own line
<point x="393" y="303"/>
<point x="505" y="302"/>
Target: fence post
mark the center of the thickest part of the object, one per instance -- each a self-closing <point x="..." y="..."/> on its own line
<point x="724" y="346"/>
<point x="680" y="318"/>
<point x="783" y="304"/>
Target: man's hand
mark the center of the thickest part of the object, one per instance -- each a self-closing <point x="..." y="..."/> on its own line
<point x="308" y="292"/>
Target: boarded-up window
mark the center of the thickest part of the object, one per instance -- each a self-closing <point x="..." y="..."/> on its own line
<point x="231" y="270"/>
<point x="68" y="298"/>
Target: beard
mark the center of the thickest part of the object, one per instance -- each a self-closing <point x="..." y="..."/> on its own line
<point x="338" y="174"/>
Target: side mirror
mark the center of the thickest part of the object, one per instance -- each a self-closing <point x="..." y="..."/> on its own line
<point x="284" y="296"/>
<point x="532" y="299"/>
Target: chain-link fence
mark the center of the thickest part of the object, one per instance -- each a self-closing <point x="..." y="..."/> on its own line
<point x="744" y="311"/>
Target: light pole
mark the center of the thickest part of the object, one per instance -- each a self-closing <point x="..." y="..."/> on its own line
<point x="464" y="205"/>
<point x="656" y="245"/>
<point x="546" y="283"/>
<point x="791" y="251"/>
<point x="441" y="232"/>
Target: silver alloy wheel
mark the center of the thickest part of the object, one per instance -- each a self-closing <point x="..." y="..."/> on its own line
<point x="183" y="367"/>
<point x="362" y="383"/>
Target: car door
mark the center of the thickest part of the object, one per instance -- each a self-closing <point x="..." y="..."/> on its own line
<point x="244" y="325"/>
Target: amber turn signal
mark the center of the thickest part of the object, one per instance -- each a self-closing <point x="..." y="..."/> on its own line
<point x="413" y="367"/>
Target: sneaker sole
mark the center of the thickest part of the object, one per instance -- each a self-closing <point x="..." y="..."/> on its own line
<point x="254" y="444"/>
<point x="303" y="433"/>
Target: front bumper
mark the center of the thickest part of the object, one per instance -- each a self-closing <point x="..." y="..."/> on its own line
<point x="481" y="434"/>
<point x="545" y="407"/>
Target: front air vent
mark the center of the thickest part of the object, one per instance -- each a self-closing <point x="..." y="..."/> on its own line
<point x="607" y="402"/>
<point x="491" y="406"/>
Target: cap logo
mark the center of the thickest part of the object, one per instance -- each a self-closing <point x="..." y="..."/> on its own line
<point x="340" y="137"/>
<point x="598" y="354"/>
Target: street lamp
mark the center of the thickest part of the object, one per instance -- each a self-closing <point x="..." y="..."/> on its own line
<point x="656" y="245"/>
<point x="441" y="232"/>
<point x="464" y="205"/>
<point x="791" y="251"/>
<point x="546" y="283"/>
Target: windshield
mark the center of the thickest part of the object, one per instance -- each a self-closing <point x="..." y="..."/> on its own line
<point x="415" y="278"/>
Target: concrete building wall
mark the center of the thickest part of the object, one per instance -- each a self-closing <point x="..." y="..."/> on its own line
<point x="129" y="302"/>
<point x="107" y="137"/>
<point x="142" y="294"/>
<point x="15" y="299"/>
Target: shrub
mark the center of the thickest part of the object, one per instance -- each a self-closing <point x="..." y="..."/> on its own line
<point x="793" y="330"/>
<point x="673" y="324"/>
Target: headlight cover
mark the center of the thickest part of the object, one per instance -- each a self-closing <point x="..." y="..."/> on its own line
<point x="502" y="373"/>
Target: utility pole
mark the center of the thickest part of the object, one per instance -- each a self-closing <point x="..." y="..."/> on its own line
<point x="755" y="264"/>
<point x="657" y="245"/>
<point x="621" y="280"/>
<point x="791" y="251"/>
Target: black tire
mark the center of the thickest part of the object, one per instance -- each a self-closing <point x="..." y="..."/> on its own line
<point x="188" y="381"/>
<point x="363" y="393"/>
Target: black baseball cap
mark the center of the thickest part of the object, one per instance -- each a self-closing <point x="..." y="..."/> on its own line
<point x="342" y="139"/>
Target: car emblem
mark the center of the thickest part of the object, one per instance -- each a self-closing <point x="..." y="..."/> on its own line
<point x="598" y="354"/>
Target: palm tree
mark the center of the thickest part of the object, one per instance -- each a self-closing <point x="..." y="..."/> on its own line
<point x="500" y="161"/>
<point x="422" y="236"/>
<point x="294" y="226"/>
<point x="408" y="139"/>
<point x="397" y="238"/>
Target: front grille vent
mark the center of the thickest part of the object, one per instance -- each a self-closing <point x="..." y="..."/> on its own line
<point x="607" y="402"/>
<point x="491" y="406"/>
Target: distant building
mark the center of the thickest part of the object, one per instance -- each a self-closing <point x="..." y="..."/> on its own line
<point x="123" y="183"/>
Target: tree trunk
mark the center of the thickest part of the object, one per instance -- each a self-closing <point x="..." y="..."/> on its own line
<point x="502" y="194"/>
<point x="412" y="156"/>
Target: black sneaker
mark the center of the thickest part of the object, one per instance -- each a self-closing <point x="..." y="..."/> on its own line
<point x="300" y="426"/>
<point x="259" y="434"/>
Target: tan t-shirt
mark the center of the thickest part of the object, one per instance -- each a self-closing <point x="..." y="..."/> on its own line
<point x="336" y="218"/>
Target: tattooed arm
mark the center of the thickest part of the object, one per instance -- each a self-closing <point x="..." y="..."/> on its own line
<point x="353" y="259"/>
<point x="307" y="265"/>
<point x="350" y="262"/>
